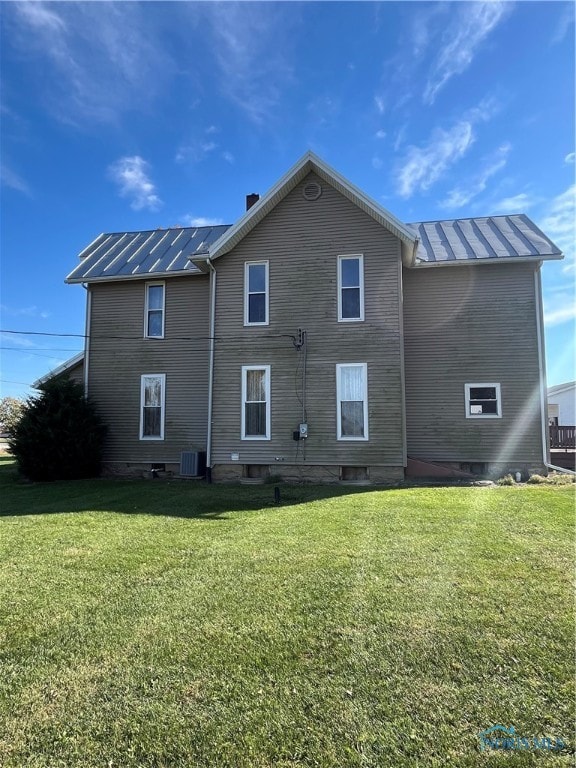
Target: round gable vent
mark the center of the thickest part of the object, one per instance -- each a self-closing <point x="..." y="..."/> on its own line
<point x="311" y="191"/>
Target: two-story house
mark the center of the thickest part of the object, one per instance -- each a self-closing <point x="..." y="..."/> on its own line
<point x="320" y="338"/>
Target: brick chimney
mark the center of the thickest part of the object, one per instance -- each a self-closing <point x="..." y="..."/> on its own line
<point x="251" y="200"/>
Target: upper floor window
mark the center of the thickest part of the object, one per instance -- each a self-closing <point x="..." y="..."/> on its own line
<point x="256" y="402"/>
<point x="352" y="401"/>
<point x="256" y="293"/>
<point x="483" y="401"/>
<point x="152" y="401"/>
<point x="350" y="288"/>
<point x="154" y="314"/>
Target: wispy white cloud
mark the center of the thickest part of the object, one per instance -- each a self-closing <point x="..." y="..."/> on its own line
<point x="17" y="340"/>
<point x="201" y="221"/>
<point x="562" y="311"/>
<point x="519" y="203"/>
<point x="229" y="157"/>
<point x="195" y="151"/>
<point x="377" y="163"/>
<point x="472" y="24"/>
<point x="11" y="179"/>
<point x="253" y="68"/>
<point x="32" y="311"/>
<point x="131" y="176"/>
<point x="564" y="23"/>
<point x="101" y="60"/>
<point x="462" y="195"/>
<point x="380" y="134"/>
<point x="570" y="157"/>
<point x="380" y="104"/>
<point x="423" y="166"/>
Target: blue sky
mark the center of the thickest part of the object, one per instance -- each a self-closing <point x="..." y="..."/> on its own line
<point x="128" y="116"/>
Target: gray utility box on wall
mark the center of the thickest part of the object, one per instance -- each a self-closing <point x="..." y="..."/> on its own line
<point x="193" y="463"/>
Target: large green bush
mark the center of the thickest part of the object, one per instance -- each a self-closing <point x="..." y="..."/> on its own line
<point x="60" y="435"/>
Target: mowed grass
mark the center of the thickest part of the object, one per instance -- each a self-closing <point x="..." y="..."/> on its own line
<point x="153" y="623"/>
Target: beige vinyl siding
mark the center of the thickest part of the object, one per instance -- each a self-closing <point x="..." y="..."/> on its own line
<point x="76" y="373"/>
<point x="468" y="324"/>
<point x="302" y="241"/>
<point x="116" y="366"/>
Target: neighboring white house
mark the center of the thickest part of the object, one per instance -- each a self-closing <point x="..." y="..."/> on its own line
<point x="562" y="404"/>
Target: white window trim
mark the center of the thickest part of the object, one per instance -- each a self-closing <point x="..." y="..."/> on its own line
<point x="162" y="377"/>
<point x="497" y="415"/>
<point x="247" y="266"/>
<point x="147" y="309"/>
<point x="342" y="258"/>
<point x="246" y="368"/>
<point x="340" y="436"/>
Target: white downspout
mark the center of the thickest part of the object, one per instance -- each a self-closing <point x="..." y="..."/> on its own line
<point x="87" y="335"/>
<point x="211" y="369"/>
<point x="542" y="369"/>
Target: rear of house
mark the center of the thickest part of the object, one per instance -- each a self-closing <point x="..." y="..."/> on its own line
<point x="320" y="338"/>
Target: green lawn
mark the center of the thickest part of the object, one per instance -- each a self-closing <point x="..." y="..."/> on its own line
<point x="154" y="623"/>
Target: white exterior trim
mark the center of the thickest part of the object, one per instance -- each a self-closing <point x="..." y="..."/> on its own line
<point x="339" y="435"/>
<point x="308" y="163"/>
<point x="347" y="257"/>
<point x="545" y="431"/>
<point x="162" y="377"/>
<point x="247" y="265"/>
<point x="243" y="434"/>
<point x="147" y="309"/>
<point x="468" y="387"/>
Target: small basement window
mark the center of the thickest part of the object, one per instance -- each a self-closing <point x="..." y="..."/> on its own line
<point x="483" y="401"/>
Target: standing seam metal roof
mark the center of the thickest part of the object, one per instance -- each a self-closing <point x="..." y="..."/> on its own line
<point x="160" y="252"/>
<point x="124" y="255"/>
<point x="480" y="239"/>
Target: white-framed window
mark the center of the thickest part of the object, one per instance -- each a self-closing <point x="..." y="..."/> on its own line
<point x="255" y="402"/>
<point x="256" y="293"/>
<point x="352" y="401"/>
<point x="152" y="406"/>
<point x="483" y="401"/>
<point x="350" y="288"/>
<point x="154" y="312"/>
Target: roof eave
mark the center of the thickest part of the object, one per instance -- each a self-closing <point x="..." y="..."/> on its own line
<point x="66" y="366"/>
<point x="489" y="260"/>
<point x="308" y="163"/>
<point x="145" y="276"/>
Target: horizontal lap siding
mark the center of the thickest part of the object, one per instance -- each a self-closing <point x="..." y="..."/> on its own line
<point x="465" y="325"/>
<point x="116" y="365"/>
<point x="302" y="241"/>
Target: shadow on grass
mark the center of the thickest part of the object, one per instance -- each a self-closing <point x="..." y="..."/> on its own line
<point x="171" y="498"/>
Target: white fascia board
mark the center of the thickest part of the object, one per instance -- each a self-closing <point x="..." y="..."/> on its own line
<point x="495" y="260"/>
<point x="59" y="370"/>
<point x="559" y="389"/>
<point x="143" y="276"/>
<point x="310" y="162"/>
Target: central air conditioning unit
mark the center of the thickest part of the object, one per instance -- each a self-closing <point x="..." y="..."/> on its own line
<point x="193" y="463"/>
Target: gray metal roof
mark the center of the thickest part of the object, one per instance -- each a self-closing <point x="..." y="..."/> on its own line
<point x="490" y="238"/>
<point x="160" y="252"/>
<point x="156" y="252"/>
